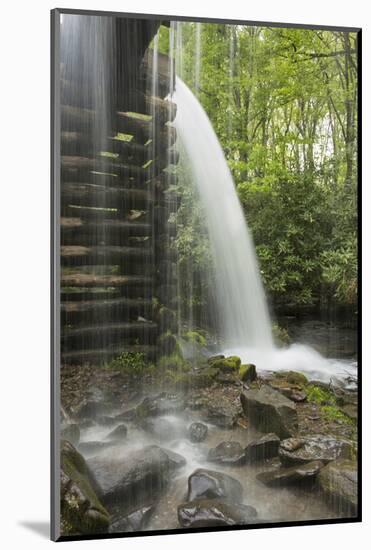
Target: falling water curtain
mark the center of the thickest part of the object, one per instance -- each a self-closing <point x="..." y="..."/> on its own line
<point x="205" y="267"/>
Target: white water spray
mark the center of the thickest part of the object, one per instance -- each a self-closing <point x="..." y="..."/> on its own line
<point x="243" y="313"/>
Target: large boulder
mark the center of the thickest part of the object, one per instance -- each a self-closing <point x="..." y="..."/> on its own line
<point x="197" y="432"/>
<point x="137" y="480"/>
<point x="247" y="373"/>
<point x="227" y="452"/>
<point x="118" y="434"/>
<point x="207" y="484"/>
<point x="135" y="520"/>
<point x="214" y="512"/>
<point x="82" y="511"/>
<point x="338" y="482"/>
<point x="288" y="476"/>
<point x="225" y="364"/>
<point x="269" y="411"/>
<point x="160" y="428"/>
<point x="158" y="405"/>
<point x="262" y="448"/>
<point x="325" y="448"/>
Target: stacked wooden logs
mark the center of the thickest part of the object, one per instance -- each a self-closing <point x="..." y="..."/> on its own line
<point x="117" y="265"/>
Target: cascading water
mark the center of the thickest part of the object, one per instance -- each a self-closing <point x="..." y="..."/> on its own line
<point x="242" y="304"/>
<point x="245" y="324"/>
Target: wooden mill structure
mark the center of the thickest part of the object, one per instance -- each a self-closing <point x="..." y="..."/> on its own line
<point x="118" y="271"/>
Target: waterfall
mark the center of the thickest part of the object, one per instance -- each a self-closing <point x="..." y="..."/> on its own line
<point x="243" y="311"/>
<point x="244" y="322"/>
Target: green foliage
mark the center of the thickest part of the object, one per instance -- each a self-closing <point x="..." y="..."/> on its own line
<point x="131" y="363"/>
<point x="319" y="395"/>
<point x="196" y="337"/>
<point x="331" y="412"/>
<point x="283" y="103"/>
<point x="280" y="335"/>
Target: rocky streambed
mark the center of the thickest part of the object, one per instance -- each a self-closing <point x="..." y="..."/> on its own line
<point x="218" y="446"/>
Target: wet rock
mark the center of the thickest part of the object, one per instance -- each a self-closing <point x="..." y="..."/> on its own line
<point x="81" y="509"/>
<point x="295" y="378"/>
<point x="214" y="512"/>
<point x="223" y="416"/>
<point x="175" y="459"/>
<point x="129" y="414"/>
<point x="227" y="452"/>
<point x="287" y="476"/>
<point x="247" y="373"/>
<point x="161" y="428"/>
<point x="159" y="405"/>
<point x="207" y="484"/>
<point x="338" y="483"/>
<point x="132" y="522"/>
<point x="263" y="448"/>
<point x="269" y="411"/>
<point x="211" y="360"/>
<point x="225" y="364"/>
<point x="291" y="444"/>
<point x="137" y="480"/>
<point x="322" y="448"/>
<point x="197" y="432"/>
<point x="118" y="434"/>
<point x="106" y="420"/>
<point x="93" y="447"/>
<point x="90" y="409"/>
<point x="71" y="432"/>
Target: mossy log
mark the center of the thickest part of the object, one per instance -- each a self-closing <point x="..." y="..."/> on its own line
<point x="77" y="231"/>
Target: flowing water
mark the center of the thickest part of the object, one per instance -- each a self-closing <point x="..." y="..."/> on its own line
<point x="245" y="324"/>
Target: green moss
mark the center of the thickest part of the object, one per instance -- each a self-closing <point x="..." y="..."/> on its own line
<point x="247" y="373"/>
<point x="195" y="337"/>
<point x="131" y="363"/>
<point x="173" y="361"/>
<point x="331" y="412"/>
<point x="226" y="364"/>
<point x="280" y="335"/>
<point x="321" y="396"/>
<point x="76" y="516"/>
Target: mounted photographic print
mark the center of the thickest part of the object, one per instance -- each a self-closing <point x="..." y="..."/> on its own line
<point x="205" y="312"/>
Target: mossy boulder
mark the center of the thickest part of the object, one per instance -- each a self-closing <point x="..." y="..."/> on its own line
<point x="225" y="364"/>
<point x="81" y="509"/>
<point x="293" y="377"/>
<point x="247" y="373"/>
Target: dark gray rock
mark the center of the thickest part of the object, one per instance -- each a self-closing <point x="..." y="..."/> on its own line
<point x="118" y="434"/>
<point x="132" y="522"/>
<point x="138" y="480"/>
<point x="269" y="411"/>
<point x="197" y="432"/>
<point x="263" y="448"/>
<point x="175" y="459"/>
<point x="338" y="481"/>
<point x="288" y="476"/>
<point x="161" y="428"/>
<point x="214" y="512"/>
<point x="227" y="452"/>
<point x="319" y="447"/>
<point x="207" y="484"/>
<point x="90" y="409"/>
<point x="158" y="405"/>
<point x="223" y="416"/>
<point x="93" y="447"/>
